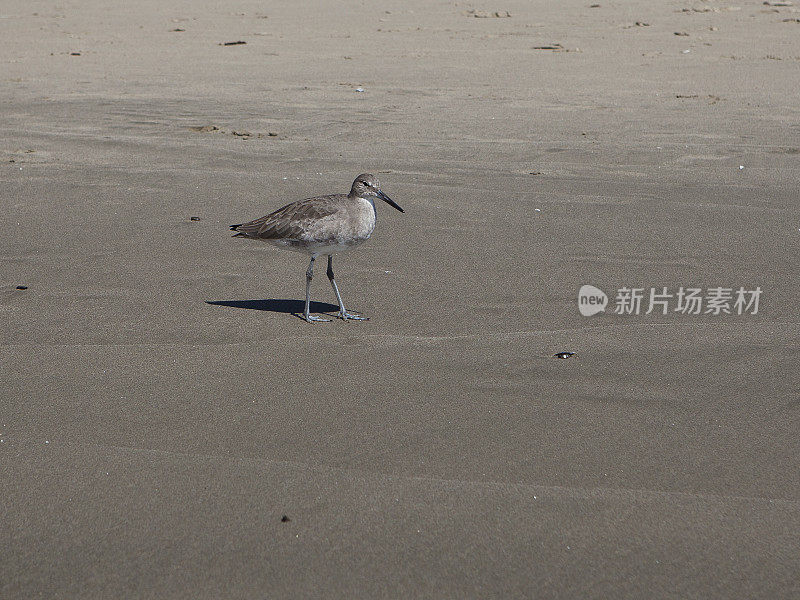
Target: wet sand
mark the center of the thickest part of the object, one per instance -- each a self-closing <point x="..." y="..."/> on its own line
<point x="164" y="408"/>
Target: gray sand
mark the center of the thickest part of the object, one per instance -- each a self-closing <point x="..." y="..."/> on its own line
<point x="163" y="408"/>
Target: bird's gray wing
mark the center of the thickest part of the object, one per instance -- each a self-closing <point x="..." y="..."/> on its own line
<point x="290" y="221"/>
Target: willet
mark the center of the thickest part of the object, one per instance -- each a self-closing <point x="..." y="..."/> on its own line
<point x="322" y="225"/>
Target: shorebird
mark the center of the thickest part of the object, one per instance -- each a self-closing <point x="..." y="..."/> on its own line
<point x="322" y="225"/>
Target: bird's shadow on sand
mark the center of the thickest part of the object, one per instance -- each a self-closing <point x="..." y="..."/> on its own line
<point x="289" y="307"/>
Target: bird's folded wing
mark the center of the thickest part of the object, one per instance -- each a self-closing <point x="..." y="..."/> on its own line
<point x="291" y="221"/>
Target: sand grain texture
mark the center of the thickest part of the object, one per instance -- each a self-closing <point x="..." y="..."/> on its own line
<point x="163" y="409"/>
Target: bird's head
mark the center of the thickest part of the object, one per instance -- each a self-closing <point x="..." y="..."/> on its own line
<point x="366" y="185"/>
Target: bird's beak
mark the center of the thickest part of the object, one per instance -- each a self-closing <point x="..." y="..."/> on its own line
<point x="389" y="201"/>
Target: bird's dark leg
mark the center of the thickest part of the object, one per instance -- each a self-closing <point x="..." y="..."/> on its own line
<point x="309" y="277"/>
<point x="342" y="312"/>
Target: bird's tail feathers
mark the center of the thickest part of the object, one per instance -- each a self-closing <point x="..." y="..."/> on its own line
<point x="239" y="233"/>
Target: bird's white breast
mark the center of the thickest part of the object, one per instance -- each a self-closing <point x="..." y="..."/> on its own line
<point x="363" y="219"/>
